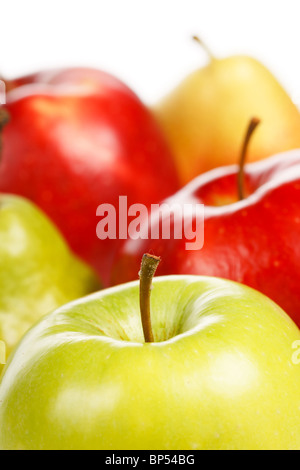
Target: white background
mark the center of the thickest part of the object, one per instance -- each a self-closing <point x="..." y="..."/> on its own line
<point x="148" y="43"/>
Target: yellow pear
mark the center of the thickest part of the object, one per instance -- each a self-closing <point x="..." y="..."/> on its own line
<point x="205" y="117"/>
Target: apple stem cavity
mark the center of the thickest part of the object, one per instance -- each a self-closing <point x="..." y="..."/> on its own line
<point x="241" y="173"/>
<point x="205" y="47"/>
<point x="148" y="268"/>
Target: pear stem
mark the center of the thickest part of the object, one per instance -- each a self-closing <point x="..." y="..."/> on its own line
<point x="205" y="47"/>
<point x="147" y="271"/>
<point x="241" y="174"/>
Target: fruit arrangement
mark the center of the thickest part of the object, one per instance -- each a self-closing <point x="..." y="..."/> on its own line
<point x="150" y="262"/>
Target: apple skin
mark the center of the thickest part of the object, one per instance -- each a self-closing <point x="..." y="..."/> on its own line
<point x="254" y="241"/>
<point x="83" y="378"/>
<point x="202" y="117"/>
<point x="78" y="138"/>
<point x="38" y="271"/>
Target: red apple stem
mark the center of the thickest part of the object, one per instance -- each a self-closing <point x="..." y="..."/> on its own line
<point x="241" y="174"/>
<point x="4" y="118"/>
<point x="205" y="47"/>
<point x="147" y="271"/>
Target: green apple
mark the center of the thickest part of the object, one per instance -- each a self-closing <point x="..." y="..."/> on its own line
<point x="217" y="375"/>
<point x="38" y="272"/>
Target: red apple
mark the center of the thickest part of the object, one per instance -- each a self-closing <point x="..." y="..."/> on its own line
<point x="78" y="138"/>
<point x="255" y="241"/>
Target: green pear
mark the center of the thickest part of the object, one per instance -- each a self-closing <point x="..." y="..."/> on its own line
<point x="38" y="272"/>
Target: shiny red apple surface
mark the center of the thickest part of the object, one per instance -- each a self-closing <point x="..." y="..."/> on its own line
<point x="78" y="138"/>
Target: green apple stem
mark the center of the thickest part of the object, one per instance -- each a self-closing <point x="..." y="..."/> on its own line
<point x="241" y="174"/>
<point x="147" y="271"/>
<point x="205" y="47"/>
